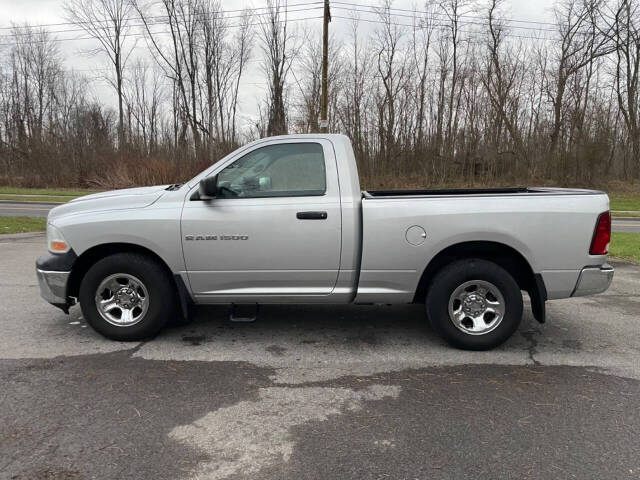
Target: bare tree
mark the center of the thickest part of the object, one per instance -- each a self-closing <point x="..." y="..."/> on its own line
<point x="144" y="96"/>
<point x="354" y="99"/>
<point x="225" y="57"/>
<point x="624" y="25"/>
<point x="279" y="51"/>
<point x="422" y="33"/>
<point x="180" y="61"/>
<point x="502" y="71"/>
<point x="443" y="99"/>
<point x="309" y="82"/>
<point x="581" y="42"/>
<point x="453" y="10"/>
<point x="109" y="22"/>
<point x="393" y="71"/>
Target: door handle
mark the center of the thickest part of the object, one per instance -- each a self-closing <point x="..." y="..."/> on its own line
<point x="311" y="215"/>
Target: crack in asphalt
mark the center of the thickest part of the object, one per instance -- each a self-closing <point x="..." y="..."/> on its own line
<point x="136" y="349"/>
<point x="529" y="335"/>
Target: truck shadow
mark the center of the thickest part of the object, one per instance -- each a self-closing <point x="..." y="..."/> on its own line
<point x="314" y="324"/>
<point x="345" y="326"/>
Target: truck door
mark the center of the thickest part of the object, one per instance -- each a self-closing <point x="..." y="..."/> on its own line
<point x="273" y="232"/>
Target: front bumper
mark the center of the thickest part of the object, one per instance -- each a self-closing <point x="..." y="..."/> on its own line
<point x="593" y="280"/>
<point x="53" y="287"/>
<point x="53" y="271"/>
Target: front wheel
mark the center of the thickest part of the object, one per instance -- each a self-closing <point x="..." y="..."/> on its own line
<point x="127" y="296"/>
<point x="474" y="304"/>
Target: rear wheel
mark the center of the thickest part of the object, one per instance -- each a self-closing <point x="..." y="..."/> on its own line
<point x="474" y="304"/>
<point x="127" y="296"/>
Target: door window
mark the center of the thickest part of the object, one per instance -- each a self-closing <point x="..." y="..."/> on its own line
<point x="284" y="170"/>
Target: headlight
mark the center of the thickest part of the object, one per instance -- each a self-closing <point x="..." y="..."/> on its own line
<point x="55" y="241"/>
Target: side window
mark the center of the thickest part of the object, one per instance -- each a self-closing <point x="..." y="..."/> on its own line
<point x="286" y="170"/>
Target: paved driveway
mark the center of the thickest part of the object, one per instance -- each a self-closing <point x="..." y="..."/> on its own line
<point x="316" y="393"/>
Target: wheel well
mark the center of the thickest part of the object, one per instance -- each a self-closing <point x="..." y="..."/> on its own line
<point x="507" y="257"/>
<point x="94" y="254"/>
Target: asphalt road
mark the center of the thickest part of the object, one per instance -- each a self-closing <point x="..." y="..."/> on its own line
<point x="316" y="393"/>
<point x="41" y="210"/>
<point x="24" y="209"/>
<point x="625" y="225"/>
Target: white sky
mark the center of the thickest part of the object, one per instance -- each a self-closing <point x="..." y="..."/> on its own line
<point x="253" y="85"/>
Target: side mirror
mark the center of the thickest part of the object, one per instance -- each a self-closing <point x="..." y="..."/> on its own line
<point x="208" y="188"/>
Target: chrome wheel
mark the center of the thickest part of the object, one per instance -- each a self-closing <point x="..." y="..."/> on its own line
<point x="122" y="299"/>
<point x="476" y="307"/>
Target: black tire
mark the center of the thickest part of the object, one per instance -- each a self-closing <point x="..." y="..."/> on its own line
<point x="444" y="284"/>
<point x="161" y="295"/>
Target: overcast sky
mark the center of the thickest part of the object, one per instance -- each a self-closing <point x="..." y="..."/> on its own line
<point x="38" y="12"/>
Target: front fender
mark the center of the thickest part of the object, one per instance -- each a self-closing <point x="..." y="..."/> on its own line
<point x="155" y="229"/>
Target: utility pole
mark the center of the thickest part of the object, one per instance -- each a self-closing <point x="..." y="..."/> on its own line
<point x="324" y="122"/>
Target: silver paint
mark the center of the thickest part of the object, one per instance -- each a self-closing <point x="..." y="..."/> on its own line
<point x="360" y="253"/>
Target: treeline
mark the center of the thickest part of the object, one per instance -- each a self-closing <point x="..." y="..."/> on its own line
<point x="452" y="93"/>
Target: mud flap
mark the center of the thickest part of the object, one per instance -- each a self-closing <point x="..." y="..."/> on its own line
<point x="538" y="295"/>
<point x="186" y="302"/>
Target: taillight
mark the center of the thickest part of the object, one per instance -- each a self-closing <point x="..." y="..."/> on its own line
<point x="601" y="235"/>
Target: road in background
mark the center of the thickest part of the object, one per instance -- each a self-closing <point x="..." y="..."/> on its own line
<point x="630" y="225"/>
<point x="24" y="209"/>
<point x="316" y="392"/>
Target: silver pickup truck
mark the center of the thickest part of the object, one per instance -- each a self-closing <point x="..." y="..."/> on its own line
<point x="283" y="220"/>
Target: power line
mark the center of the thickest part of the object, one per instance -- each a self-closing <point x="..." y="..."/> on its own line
<point x="485" y="23"/>
<point x="221" y="17"/>
<point x="161" y="16"/>
<point x="440" y="14"/>
<point x="350" y="7"/>
<point x="422" y="27"/>
<point x="463" y="22"/>
<point x="143" y="34"/>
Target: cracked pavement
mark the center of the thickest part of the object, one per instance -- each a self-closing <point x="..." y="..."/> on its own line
<point x="316" y="392"/>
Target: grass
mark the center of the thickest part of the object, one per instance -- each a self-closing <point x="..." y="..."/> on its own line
<point x="625" y="246"/>
<point x="36" y="195"/>
<point x="31" y="199"/>
<point x="625" y="214"/>
<point x="57" y="192"/>
<point x="625" y="202"/>
<point x="22" y="224"/>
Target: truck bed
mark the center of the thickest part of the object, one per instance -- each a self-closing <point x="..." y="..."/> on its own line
<point x="551" y="228"/>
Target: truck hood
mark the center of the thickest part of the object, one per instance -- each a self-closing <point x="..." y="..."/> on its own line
<point x="112" y="200"/>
